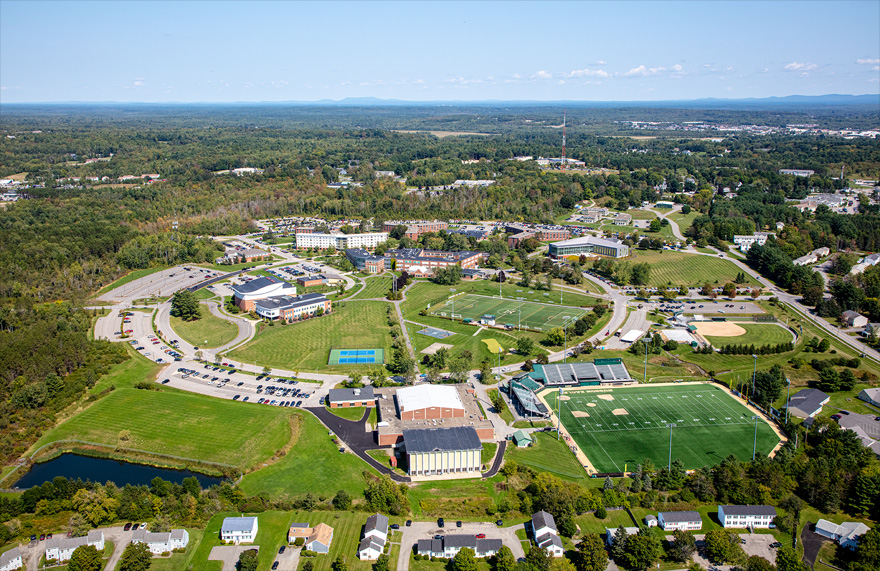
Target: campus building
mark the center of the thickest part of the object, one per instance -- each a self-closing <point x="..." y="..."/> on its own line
<point x="61" y="548"/>
<point x="746" y="516"/>
<point x="289" y="308"/>
<point x="246" y="295"/>
<point x="440" y="451"/>
<point x="415" y="228"/>
<point x="240" y="255"/>
<point x="589" y="245"/>
<point x="428" y="406"/>
<point x="346" y="398"/>
<point x="520" y="233"/>
<point x="414" y="261"/>
<point x="807" y="403"/>
<point x="339" y="241"/>
<point x="601" y="372"/>
<point x="746" y="242"/>
<point x="159" y="543"/>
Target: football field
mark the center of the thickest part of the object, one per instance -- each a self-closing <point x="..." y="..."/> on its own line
<point x="617" y="427"/>
<point x="527" y="314"/>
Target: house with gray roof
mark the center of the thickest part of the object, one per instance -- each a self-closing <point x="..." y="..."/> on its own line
<point x="846" y="534"/>
<point x="342" y="398"/>
<point x="684" y="520"/>
<point x="239" y="529"/>
<point x="449" y="546"/>
<point x="807" y="403"/>
<point x="163" y="542"/>
<point x="546" y="534"/>
<point x="11" y="560"/>
<point x="375" y="537"/>
<point x="871" y="396"/>
<point x="746" y="516"/>
<point x="61" y="548"/>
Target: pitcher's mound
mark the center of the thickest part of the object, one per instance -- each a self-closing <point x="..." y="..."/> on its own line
<point x="580" y="414"/>
<point x="619" y="412"/>
<point x="565" y="397"/>
<point x="606" y="397"/>
<point x="591" y="404"/>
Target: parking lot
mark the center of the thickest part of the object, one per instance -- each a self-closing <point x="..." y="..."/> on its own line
<point x="221" y="383"/>
<point x="754" y="544"/>
<point x="160" y="284"/>
<point x="427" y="530"/>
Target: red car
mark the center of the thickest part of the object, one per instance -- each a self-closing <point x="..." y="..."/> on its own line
<point x="481" y="536"/>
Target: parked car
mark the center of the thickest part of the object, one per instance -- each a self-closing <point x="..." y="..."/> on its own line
<point x="408" y="522"/>
<point x="127" y="527"/>
<point x="274" y="566"/>
<point x="395" y="526"/>
<point x="458" y="523"/>
<point x="440" y="522"/>
<point x="281" y="549"/>
<point x="481" y="536"/>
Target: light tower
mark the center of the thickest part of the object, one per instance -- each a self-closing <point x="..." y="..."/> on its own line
<point x="563" y="139"/>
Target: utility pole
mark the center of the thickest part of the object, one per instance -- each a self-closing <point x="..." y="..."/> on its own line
<point x="645" y="341"/>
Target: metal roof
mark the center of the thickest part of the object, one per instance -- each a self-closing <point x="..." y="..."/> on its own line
<point x="257" y="285"/>
<point x="426" y="396"/>
<point x="441" y="439"/>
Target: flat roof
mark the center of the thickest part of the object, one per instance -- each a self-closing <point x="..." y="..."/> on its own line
<point x="587" y="240"/>
<point x="441" y="439"/>
<point x="427" y="396"/>
<point x="350" y="395"/>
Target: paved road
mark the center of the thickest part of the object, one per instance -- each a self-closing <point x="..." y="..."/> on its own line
<point x="427" y="530"/>
<point x="638" y="320"/>
<point x="812" y="543"/>
<point x="499" y="459"/>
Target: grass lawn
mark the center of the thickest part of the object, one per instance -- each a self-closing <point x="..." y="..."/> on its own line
<point x="756" y="333"/>
<point x="126" y="374"/>
<point x="488" y="453"/>
<point x="467" y="500"/>
<point x="681" y="268"/>
<point x="504" y="413"/>
<point x="205" y="293"/>
<point x="377" y="286"/>
<point x="306" y="345"/>
<point x="684" y="221"/>
<point x="589" y="523"/>
<point x="157" y="424"/>
<point x="548" y="455"/>
<point x="531" y="423"/>
<point x="540" y="316"/>
<point x="129" y="277"/>
<point x="178" y="561"/>
<point x="352" y="413"/>
<point x="206" y="332"/>
<point x="314" y="465"/>
<point x="428" y="565"/>
<point x="710" y="425"/>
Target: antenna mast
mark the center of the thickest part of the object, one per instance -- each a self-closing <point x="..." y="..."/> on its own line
<point x="563" y="139"/>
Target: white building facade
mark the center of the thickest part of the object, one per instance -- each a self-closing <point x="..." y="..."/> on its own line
<point x="164" y="542"/>
<point x="746" y="516"/>
<point x="239" y="529"/>
<point x="61" y="548"/>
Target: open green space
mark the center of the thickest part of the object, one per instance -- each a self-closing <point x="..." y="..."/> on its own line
<point x="207" y="332"/>
<point x="589" y="523"/>
<point x="548" y="455"/>
<point x="306" y="345"/>
<point x="180" y="424"/>
<point x="129" y="277"/>
<point x="756" y="333"/>
<point x="684" y="221"/>
<point x="314" y="464"/>
<point x="349" y="413"/>
<point x="681" y="268"/>
<point x="621" y="427"/>
<point x="376" y="287"/>
<point x="527" y="314"/>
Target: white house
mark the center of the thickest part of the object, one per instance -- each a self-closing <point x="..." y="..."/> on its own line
<point x="239" y="529"/>
<point x="746" y="516"/>
<point x="320" y="539"/>
<point x="546" y="535"/>
<point x="846" y="534"/>
<point x="159" y="543"/>
<point x="449" y="546"/>
<point x="854" y="319"/>
<point x="375" y="536"/>
<point x="650" y="521"/>
<point x="746" y="242"/>
<point x="871" y="396"/>
<point x="61" y="548"/>
<point x="685" y="521"/>
<point x="370" y="548"/>
<point x="11" y="560"/>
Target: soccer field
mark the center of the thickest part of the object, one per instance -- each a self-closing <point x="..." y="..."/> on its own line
<point x="527" y="314"/>
<point x="617" y="427"/>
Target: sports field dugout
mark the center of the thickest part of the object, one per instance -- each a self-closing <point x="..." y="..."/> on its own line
<point x="508" y="312"/>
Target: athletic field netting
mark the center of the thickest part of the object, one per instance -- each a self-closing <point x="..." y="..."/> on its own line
<point x="356" y="356"/>
<point x="525" y="314"/>
<point x="617" y="427"/>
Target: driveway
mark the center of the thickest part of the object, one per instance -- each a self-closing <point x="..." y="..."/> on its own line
<point x="812" y="543"/>
<point x="499" y="459"/>
<point x="427" y="530"/>
<point x="229" y="554"/>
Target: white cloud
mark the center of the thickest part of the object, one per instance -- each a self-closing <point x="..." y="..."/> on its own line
<point x="600" y="62"/>
<point x="868" y="61"/>
<point x="560" y="82"/>
<point x="797" y="66"/>
<point x="586" y="72"/>
<point x="139" y="82"/>
<point x="643" y="70"/>
<point x="542" y="74"/>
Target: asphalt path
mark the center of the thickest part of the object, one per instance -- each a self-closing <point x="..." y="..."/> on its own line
<point x="499" y="459"/>
<point x="812" y="543"/>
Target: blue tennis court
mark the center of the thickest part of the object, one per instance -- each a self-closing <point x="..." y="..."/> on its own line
<point x="356" y="356"/>
<point x="355" y="360"/>
<point x="358" y="353"/>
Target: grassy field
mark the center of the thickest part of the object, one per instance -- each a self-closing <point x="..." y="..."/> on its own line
<point x="178" y="561"/>
<point x="505" y="413"/>
<point x="548" y="455"/>
<point x="632" y="425"/>
<point x="756" y="333"/>
<point x="353" y="413"/>
<point x="129" y="277"/>
<point x="207" y="332"/>
<point x="681" y="268"/>
<point x="306" y="345"/>
<point x="589" y="523"/>
<point x="157" y="425"/>
<point x="376" y="287"/>
<point x="314" y="465"/>
<point x="536" y="316"/>
<point x="684" y="221"/>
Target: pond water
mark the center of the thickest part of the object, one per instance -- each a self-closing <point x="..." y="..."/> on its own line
<point x="73" y="466"/>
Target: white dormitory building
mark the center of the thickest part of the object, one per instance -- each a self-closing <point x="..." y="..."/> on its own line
<point x="685" y="521"/>
<point x="61" y="548"/>
<point x="340" y="241"/>
<point x="746" y="242"/>
<point x="239" y="529"/>
<point x="746" y="516"/>
<point x="163" y="542"/>
<point x="11" y="560"/>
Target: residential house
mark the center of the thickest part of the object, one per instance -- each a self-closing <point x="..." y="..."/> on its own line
<point x="871" y="396"/>
<point x="449" y="546"/>
<point x="11" y="560"/>
<point x="239" y="529"/>
<point x="807" y="403"/>
<point x="545" y="533"/>
<point x="846" y="534"/>
<point x="684" y="520"/>
<point x="650" y="520"/>
<point x="854" y="319"/>
<point x="746" y="516"/>
<point x="61" y="548"/>
<point x="623" y="219"/>
<point x="298" y="530"/>
<point x="375" y="537"/>
<point x="164" y="542"/>
<point x="871" y="328"/>
<point x="610" y="531"/>
<point x="320" y="539"/>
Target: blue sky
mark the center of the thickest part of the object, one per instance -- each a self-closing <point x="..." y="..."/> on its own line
<point x="277" y="51"/>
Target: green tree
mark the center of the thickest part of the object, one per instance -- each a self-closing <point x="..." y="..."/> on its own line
<point x="339" y="564"/>
<point x="642" y="550"/>
<point x="185" y="305"/>
<point x="618" y="544"/>
<point x="538" y="559"/>
<point x="85" y="558"/>
<point x="683" y="545"/>
<point x="591" y="555"/>
<point x="342" y="501"/>
<point x="485" y="372"/>
<point x="556" y="336"/>
<point x="655" y="225"/>
<point x="504" y="559"/>
<point x="247" y="561"/>
<point x="788" y="560"/>
<point x="867" y="553"/>
<point x="641" y="273"/>
<point x="525" y="346"/>
<point x="729" y="290"/>
<point x="723" y="546"/>
<point x="758" y="563"/>
<point x="136" y="557"/>
<point x="465" y="560"/>
<point x="381" y="563"/>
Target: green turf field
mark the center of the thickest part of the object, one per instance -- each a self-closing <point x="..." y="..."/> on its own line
<point x="529" y="315"/>
<point x="682" y="268"/>
<point x="711" y="425"/>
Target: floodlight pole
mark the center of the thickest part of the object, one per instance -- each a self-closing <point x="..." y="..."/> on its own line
<point x="755" y="444"/>
<point x="754" y="373"/>
<point x="559" y="418"/>
<point x="787" y="400"/>
<point x="452" y="291"/>
<point x="669" y="464"/>
<point x="645" y="341"/>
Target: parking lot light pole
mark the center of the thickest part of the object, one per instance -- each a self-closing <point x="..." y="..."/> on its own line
<point x="452" y="291"/>
<point x="645" y="341"/>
